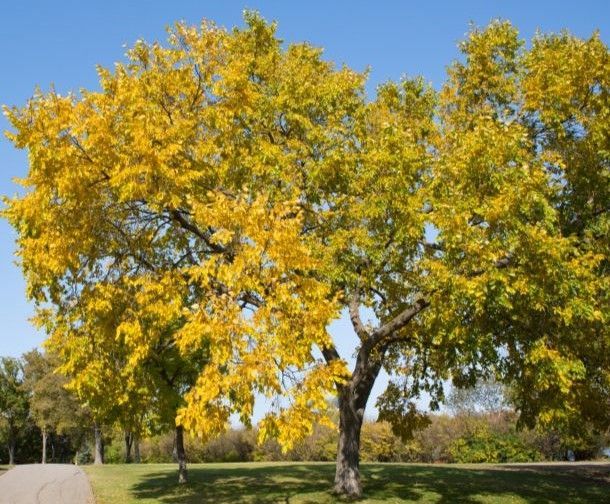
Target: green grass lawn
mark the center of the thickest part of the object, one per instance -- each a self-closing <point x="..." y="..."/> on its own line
<point x="389" y="483"/>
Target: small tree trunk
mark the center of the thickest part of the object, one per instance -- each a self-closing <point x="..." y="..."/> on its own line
<point x="136" y="449"/>
<point x="180" y="455"/>
<point x="11" y="451"/>
<point x="44" y="445"/>
<point x="99" y="445"/>
<point x="128" y="444"/>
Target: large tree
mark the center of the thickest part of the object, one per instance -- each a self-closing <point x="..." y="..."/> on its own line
<point x="247" y="193"/>
<point x="194" y="259"/>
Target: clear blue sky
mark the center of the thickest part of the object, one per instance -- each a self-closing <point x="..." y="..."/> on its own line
<point x="60" y="42"/>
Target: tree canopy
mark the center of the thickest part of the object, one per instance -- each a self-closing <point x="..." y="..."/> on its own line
<point x="226" y="196"/>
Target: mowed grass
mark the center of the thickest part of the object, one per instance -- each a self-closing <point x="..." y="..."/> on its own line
<point x="389" y="483"/>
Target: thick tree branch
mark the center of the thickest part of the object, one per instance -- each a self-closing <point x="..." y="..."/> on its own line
<point x="354" y="315"/>
<point x="398" y="322"/>
<point x="330" y="354"/>
<point x="387" y="332"/>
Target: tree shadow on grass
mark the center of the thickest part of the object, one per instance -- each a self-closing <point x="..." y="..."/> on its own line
<point x="240" y="483"/>
<point x="310" y="484"/>
<point x="447" y="484"/>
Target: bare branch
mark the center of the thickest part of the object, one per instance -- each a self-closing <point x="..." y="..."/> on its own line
<point x="380" y="294"/>
<point x="189" y="226"/>
<point x="139" y="258"/>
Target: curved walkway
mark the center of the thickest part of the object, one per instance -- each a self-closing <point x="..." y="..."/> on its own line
<point x="45" y="484"/>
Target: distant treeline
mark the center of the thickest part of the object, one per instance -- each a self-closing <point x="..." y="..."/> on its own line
<point x="37" y="411"/>
<point x="463" y="438"/>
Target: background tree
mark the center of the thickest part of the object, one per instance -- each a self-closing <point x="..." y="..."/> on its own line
<point x="54" y="409"/>
<point x="14" y="406"/>
<point x="131" y="372"/>
<point x="250" y="192"/>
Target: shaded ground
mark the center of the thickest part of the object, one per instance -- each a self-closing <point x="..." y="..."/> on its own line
<point x="45" y="484"/>
<point x="390" y="483"/>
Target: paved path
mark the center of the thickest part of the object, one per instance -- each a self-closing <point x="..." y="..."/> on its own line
<point x="45" y="484"/>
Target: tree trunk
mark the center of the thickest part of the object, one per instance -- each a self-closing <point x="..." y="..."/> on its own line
<point x="136" y="449"/>
<point x="128" y="444"/>
<point x="347" y="475"/>
<point x="11" y="451"/>
<point x="180" y="455"/>
<point x="44" y="445"/>
<point x="99" y="444"/>
<point x="353" y="397"/>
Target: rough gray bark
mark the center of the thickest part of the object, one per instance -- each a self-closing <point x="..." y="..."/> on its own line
<point x="99" y="445"/>
<point x="44" y="445"/>
<point x="347" y="475"/>
<point x="353" y="397"/>
<point x="180" y="455"/>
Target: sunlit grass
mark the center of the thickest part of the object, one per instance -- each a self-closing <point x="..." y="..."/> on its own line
<point x="310" y="483"/>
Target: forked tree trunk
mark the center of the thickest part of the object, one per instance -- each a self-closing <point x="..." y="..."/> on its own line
<point x="136" y="449"/>
<point x="44" y="445"/>
<point x="99" y="445"/>
<point x="128" y="444"/>
<point x="180" y="455"/>
<point x="353" y="397"/>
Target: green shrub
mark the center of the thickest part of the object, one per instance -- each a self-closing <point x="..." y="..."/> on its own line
<point x="483" y="445"/>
